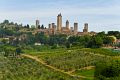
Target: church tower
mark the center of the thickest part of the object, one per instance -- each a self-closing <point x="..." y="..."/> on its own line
<point x="59" y="23"/>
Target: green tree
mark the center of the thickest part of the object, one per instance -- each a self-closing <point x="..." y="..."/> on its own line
<point x="28" y="26"/>
<point x="42" y="27"/>
<point x="18" y="51"/>
<point x="41" y="37"/>
<point x="6" y="21"/>
<point x="95" y="42"/>
<point x="68" y="45"/>
<point x="107" y="70"/>
<point x="5" y="41"/>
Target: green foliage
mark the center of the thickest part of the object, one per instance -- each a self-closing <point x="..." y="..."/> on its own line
<point x="95" y="42"/>
<point x="57" y="39"/>
<point x="102" y="51"/>
<point x="26" y="69"/>
<point x="18" y="51"/>
<point x="6" y="21"/>
<point x="109" y="70"/>
<point x="30" y="40"/>
<point x="41" y="38"/>
<point x="54" y="46"/>
<point x="10" y="51"/>
<point x="108" y="40"/>
<point x="69" y="60"/>
<point x="84" y="72"/>
<point x="81" y="41"/>
<point x="68" y="45"/>
<point x="6" y="32"/>
<point x="114" y="33"/>
<point x="5" y="41"/>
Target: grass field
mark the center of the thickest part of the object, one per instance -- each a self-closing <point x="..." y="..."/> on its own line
<point x="57" y="64"/>
<point x="27" y="69"/>
<point x="69" y="60"/>
<point x="85" y="72"/>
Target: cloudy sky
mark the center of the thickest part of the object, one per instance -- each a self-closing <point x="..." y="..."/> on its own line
<point x="102" y="15"/>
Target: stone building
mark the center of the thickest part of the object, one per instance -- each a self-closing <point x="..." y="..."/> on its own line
<point x="37" y="23"/>
<point x="60" y="29"/>
<point x="85" y="30"/>
<point x="59" y="23"/>
<point x="75" y="28"/>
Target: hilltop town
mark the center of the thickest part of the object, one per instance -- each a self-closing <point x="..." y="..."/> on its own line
<point x="12" y="32"/>
<point x="55" y="52"/>
<point x="59" y="29"/>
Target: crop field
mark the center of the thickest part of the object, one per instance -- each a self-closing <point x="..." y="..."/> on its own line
<point x="56" y="64"/>
<point x="27" y="69"/>
<point x="72" y="60"/>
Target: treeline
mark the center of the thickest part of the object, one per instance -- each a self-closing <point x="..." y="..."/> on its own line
<point x="95" y="41"/>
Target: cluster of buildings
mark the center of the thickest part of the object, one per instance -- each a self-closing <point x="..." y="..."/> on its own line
<point x="59" y="29"/>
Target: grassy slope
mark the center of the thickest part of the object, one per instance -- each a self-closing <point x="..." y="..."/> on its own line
<point x="27" y="69"/>
<point x="74" y="59"/>
<point x="31" y="70"/>
<point x="85" y="72"/>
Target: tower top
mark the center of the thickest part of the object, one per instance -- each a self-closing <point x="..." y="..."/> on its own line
<point x="60" y="14"/>
<point x="67" y="21"/>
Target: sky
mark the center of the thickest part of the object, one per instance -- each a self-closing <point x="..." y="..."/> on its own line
<point x="102" y="15"/>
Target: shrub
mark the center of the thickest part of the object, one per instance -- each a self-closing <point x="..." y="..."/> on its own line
<point x="108" y="70"/>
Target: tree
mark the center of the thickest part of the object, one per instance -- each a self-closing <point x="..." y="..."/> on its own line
<point x="102" y="34"/>
<point x="42" y="27"/>
<point x="5" y="41"/>
<point x="18" y="51"/>
<point x="95" y="42"/>
<point x="39" y="27"/>
<point x="41" y="37"/>
<point x="107" y="70"/>
<point x="68" y="45"/>
<point x="28" y="26"/>
<point x="6" y="21"/>
<point x="114" y="33"/>
<point x="30" y="39"/>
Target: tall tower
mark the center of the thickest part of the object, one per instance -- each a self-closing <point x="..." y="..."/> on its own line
<point x="37" y="23"/>
<point x="75" y="28"/>
<point x="53" y="25"/>
<point x="50" y="26"/>
<point x="85" y="27"/>
<point x="59" y="22"/>
<point x="67" y="25"/>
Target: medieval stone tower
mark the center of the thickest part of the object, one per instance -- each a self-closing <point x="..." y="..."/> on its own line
<point x="85" y="28"/>
<point x="37" y="23"/>
<point x="59" y="23"/>
<point x="75" y="28"/>
<point x="67" y="25"/>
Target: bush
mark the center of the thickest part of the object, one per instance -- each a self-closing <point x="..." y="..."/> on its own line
<point x="108" y="70"/>
<point x="54" y="46"/>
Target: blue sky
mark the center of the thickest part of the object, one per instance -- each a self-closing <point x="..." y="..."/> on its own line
<point x="102" y="15"/>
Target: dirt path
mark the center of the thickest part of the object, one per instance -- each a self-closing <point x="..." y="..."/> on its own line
<point x="51" y="67"/>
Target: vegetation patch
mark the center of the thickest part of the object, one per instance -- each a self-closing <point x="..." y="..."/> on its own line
<point x="89" y="73"/>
